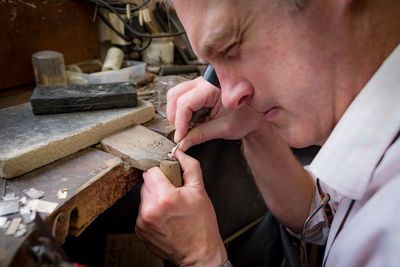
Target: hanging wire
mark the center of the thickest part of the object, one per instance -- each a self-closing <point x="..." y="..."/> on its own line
<point x="127" y="26"/>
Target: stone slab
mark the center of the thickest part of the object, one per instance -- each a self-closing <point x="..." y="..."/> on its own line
<point x="28" y="142"/>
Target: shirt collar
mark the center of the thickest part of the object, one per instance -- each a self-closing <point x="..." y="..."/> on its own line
<point x="349" y="156"/>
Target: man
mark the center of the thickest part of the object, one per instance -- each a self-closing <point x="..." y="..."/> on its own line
<point x="296" y="74"/>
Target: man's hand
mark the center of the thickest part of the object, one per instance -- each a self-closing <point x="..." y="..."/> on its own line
<point x="188" y="97"/>
<point x="180" y="224"/>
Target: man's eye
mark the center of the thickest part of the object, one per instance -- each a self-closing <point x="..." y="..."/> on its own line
<point x="231" y="51"/>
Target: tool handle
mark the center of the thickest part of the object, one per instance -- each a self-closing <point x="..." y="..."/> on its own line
<point x="201" y="113"/>
<point x="172" y="169"/>
<point x="210" y="76"/>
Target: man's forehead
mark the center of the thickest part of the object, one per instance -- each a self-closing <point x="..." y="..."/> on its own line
<point x="208" y="22"/>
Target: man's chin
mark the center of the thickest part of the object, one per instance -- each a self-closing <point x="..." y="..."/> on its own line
<point x="295" y="139"/>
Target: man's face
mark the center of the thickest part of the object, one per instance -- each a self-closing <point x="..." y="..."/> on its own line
<point x="284" y="63"/>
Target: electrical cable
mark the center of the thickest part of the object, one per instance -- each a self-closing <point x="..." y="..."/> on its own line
<point x="122" y="10"/>
<point x="128" y="27"/>
<point x="123" y="36"/>
<point x="129" y="49"/>
<point x="145" y="46"/>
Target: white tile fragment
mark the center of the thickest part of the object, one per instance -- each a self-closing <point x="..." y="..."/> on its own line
<point x="27" y="214"/>
<point x="3" y="222"/>
<point x="25" y="210"/>
<point x="9" y="207"/>
<point x="34" y="193"/>
<point x="62" y="193"/>
<point x="12" y="229"/>
<point x="23" y="200"/>
<point x="42" y="205"/>
<point x="22" y="230"/>
<point x="10" y="196"/>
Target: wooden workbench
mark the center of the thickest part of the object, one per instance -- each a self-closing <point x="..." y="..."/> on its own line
<point x="95" y="180"/>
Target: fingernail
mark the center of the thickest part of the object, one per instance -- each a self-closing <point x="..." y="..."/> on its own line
<point x="176" y="139"/>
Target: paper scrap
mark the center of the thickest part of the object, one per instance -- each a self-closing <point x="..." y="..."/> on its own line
<point x="34" y="194"/>
<point x="62" y="193"/>
<point x="12" y="229"/>
<point x="42" y="205"/>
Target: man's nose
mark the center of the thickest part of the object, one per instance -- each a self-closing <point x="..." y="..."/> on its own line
<point x="234" y="95"/>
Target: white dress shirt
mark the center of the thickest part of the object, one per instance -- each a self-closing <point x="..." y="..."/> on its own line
<point x="347" y="166"/>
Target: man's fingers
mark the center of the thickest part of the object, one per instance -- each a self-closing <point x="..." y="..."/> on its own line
<point x="183" y="101"/>
<point x="191" y="169"/>
<point x="202" y="133"/>
<point x="172" y="96"/>
<point x="154" y="178"/>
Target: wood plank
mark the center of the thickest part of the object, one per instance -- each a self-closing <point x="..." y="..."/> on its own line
<point x="142" y="148"/>
<point x="161" y="126"/>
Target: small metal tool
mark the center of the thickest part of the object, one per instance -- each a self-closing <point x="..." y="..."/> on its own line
<point x="211" y="77"/>
<point x="171" y="154"/>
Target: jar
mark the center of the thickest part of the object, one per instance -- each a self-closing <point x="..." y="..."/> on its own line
<point x="160" y="51"/>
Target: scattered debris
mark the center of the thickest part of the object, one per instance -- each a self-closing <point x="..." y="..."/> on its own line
<point x="23" y="201"/>
<point x="42" y="205"/>
<point x="34" y="194"/>
<point x="10" y="196"/>
<point x="62" y="193"/>
<point x="9" y="207"/>
<point x="3" y="222"/>
<point x="22" y="230"/>
<point x="12" y="229"/>
<point x="27" y="214"/>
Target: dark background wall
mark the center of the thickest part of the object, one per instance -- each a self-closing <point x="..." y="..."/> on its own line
<point x="28" y="26"/>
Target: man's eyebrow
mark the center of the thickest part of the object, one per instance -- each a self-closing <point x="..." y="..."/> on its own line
<point x="215" y="39"/>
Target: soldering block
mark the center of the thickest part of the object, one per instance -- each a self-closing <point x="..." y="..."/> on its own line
<point x="81" y="97"/>
<point x="28" y="142"/>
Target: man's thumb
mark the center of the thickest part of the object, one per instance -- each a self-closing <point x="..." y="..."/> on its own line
<point x="199" y="134"/>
